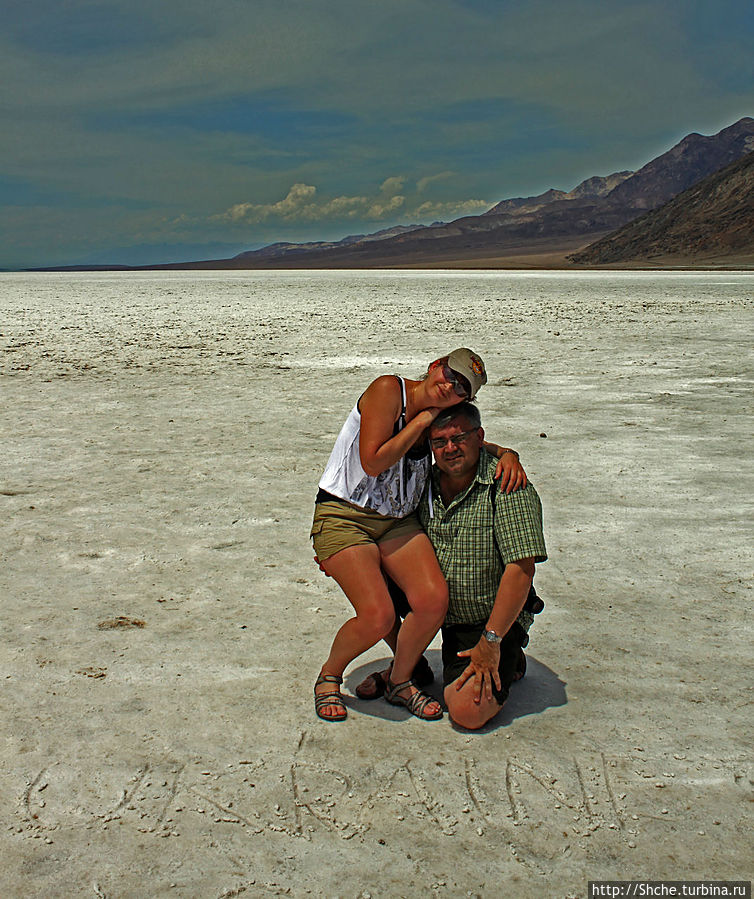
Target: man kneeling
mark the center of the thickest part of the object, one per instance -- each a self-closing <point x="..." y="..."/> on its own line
<point x="487" y="543"/>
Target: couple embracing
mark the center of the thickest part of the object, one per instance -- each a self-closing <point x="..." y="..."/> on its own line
<point x="452" y="544"/>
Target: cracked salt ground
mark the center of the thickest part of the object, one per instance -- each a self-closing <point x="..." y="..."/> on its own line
<point x="168" y="434"/>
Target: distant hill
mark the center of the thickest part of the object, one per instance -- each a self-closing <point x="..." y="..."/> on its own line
<point x="591" y="188"/>
<point x="554" y="219"/>
<point x="712" y="219"/>
<point x="533" y="231"/>
<point x="690" y="160"/>
<point x="277" y="250"/>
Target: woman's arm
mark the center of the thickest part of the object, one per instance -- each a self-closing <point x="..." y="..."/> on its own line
<point x="380" y="406"/>
<point x="509" y="469"/>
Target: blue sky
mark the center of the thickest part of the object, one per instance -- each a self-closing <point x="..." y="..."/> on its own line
<point x="141" y="132"/>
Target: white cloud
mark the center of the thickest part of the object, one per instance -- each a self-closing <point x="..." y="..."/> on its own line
<point x="423" y="183"/>
<point x="302" y="203"/>
<point x="380" y="209"/>
<point x="452" y="209"/>
<point x="393" y="185"/>
<point x="295" y="205"/>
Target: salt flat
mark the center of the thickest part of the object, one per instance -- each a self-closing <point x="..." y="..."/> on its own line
<point x="163" y="438"/>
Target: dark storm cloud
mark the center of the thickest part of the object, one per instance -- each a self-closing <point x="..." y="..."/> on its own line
<point x="171" y="115"/>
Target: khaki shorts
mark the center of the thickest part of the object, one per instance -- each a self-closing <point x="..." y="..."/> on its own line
<point x="337" y="526"/>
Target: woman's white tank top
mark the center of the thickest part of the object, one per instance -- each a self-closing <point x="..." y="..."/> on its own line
<point x="394" y="492"/>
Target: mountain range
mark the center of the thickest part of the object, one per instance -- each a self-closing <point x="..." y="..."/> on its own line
<point x="538" y="231"/>
<point x="555" y="221"/>
<point x="713" y="219"/>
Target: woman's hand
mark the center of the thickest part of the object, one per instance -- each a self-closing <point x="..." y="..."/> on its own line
<point x="509" y="470"/>
<point x="427" y="416"/>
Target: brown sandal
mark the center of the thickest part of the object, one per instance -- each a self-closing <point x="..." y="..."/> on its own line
<point x="374" y="685"/>
<point x="326" y="700"/>
<point x="416" y="703"/>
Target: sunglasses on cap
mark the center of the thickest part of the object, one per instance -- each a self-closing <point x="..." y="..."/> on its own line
<point x="460" y="385"/>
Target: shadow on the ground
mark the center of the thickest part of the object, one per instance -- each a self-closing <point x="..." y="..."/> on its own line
<point x="540" y="689"/>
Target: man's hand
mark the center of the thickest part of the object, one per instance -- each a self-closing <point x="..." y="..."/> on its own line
<point x="510" y="471"/>
<point x="484" y="661"/>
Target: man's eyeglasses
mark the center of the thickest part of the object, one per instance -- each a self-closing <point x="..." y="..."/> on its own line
<point x="460" y="385"/>
<point x="456" y="440"/>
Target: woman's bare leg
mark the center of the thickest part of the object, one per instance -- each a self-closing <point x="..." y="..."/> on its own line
<point x="357" y="570"/>
<point x="412" y="564"/>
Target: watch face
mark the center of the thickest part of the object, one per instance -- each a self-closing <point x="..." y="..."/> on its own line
<point x="492" y="637"/>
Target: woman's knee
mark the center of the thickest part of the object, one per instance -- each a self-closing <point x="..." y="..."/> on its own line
<point x="429" y="600"/>
<point x="378" y="619"/>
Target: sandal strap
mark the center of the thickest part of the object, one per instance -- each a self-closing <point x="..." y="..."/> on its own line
<point x="417" y="703"/>
<point x="331" y="699"/>
<point x="328" y="679"/>
<point x="328" y="699"/>
<point x="392" y="690"/>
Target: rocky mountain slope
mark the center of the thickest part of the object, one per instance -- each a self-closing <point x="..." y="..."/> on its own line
<point x="596" y="207"/>
<point x="595" y="186"/>
<point x="695" y="157"/>
<point x="276" y="250"/>
<point x="714" y="218"/>
<point x="542" y="228"/>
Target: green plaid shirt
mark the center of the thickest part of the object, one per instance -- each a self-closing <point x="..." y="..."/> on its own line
<point x="463" y="535"/>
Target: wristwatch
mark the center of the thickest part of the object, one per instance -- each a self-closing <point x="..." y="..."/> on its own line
<point x="491" y="637"/>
